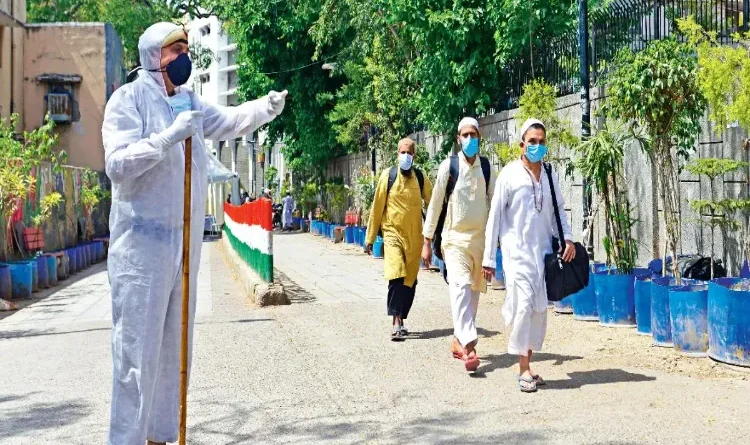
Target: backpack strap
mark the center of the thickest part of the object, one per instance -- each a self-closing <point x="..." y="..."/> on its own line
<point x="391" y="179"/>
<point x="452" y="178"/>
<point x="548" y="169"/>
<point x="420" y="179"/>
<point x="486" y="172"/>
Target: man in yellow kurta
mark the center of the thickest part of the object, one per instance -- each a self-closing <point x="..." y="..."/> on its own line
<point x="398" y="213"/>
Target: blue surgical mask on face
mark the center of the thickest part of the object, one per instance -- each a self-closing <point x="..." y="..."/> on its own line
<point x="405" y="161"/>
<point x="470" y="146"/>
<point x="535" y="153"/>
<point x="180" y="102"/>
<point x="178" y="71"/>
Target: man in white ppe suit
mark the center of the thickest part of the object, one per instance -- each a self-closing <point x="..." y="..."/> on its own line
<point x="523" y="218"/>
<point x="145" y="125"/>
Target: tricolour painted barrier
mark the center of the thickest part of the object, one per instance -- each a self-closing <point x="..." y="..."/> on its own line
<point x="249" y="228"/>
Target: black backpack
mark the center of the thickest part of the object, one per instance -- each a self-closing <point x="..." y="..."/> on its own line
<point x="437" y="239"/>
<point x="392" y="174"/>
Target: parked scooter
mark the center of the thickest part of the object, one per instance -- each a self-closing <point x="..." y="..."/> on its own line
<point x="277" y="208"/>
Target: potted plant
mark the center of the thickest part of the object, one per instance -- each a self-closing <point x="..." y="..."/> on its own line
<point x="20" y="159"/>
<point x="655" y="90"/>
<point x="34" y="236"/>
<point x="721" y="77"/>
<point x="712" y="213"/>
<point x="601" y="160"/>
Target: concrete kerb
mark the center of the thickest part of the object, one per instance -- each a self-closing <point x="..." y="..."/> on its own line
<point x="258" y="291"/>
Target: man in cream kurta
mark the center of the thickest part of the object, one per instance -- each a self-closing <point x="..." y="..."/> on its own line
<point x="462" y="237"/>
<point x="523" y="218"/>
<point x="399" y="214"/>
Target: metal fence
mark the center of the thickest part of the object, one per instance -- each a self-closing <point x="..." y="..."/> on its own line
<point x="623" y="24"/>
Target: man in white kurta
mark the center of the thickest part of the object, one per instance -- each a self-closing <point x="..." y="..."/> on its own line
<point x="523" y="218"/>
<point x="462" y="237"/>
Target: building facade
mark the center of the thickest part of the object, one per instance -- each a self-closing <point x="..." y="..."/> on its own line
<point x="12" y="20"/>
<point x="70" y="71"/>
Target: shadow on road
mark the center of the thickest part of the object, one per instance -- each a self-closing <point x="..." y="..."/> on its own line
<point x="505" y="361"/>
<point x="597" y="377"/>
<point x="29" y="418"/>
<point x="440" y="333"/>
<point x="21" y="333"/>
<point x="244" y="424"/>
<point x="293" y="290"/>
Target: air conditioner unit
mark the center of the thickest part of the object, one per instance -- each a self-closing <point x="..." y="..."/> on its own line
<point x="59" y="107"/>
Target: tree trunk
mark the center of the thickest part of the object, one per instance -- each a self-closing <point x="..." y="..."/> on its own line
<point x="668" y="175"/>
<point x="655" y="248"/>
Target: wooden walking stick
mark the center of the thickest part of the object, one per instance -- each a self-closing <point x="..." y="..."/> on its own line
<point x="185" y="288"/>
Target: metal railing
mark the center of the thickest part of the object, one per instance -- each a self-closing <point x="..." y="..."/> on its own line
<point x="623" y="24"/>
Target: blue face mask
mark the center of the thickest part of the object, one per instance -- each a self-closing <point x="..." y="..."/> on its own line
<point x="180" y="102"/>
<point x="178" y="71"/>
<point x="470" y="146"/>
<point x="405" y="161"/>
<point x="535" y="153"/>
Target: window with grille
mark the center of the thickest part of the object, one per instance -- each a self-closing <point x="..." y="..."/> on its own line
<point x="59" y="107"/>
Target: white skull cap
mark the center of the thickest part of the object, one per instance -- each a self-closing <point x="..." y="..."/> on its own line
<point x="468" y="121"/>
<point x="529" y="122"/>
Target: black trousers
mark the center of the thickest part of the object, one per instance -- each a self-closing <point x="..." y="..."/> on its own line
<point x="400" y="298"/>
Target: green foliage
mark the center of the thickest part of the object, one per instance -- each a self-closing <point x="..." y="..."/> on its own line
<point x="601" y="160"/>
<point x="307" y="197"/>
<point x="712" y="213"/>
<point x="538" y="101"/>
<point x="202" y="56"/>
<point x="655" y="89"/>
<point x="714" y="167"/>
<point x="338" y="198"/>
<point x="272" y="177"/>
<point x="19" y="157"/>
<point x="274" y="37"/>
<point x="44" y="210"/>
<point x="396" y="64"/>
<point x="507" y="153"/>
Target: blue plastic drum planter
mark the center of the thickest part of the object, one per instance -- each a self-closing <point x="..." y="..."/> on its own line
<point x="51" y="269"/>
<point x="80" y="259"/>
<point x="6" y="285"/>
<point x="34" y="275"/>
<point x="729" y="321"/>
<point x="661" y="323"/>
<point x="564" y="306"/>
<point x="72" y="261"/>
<point x="362" y="236"/>
<point x="643" y="304"/>
<point x="43" y="271"/>
<point x="21" y="276"/>
<point x="378" y="249"/>
<point x="584" y="301"/>
<point x="688" y="309"/>
<point x="349" y="234"/>
<point x="615" y="299"/>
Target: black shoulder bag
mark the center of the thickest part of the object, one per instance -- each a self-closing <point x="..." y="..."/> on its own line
<point x="563" y="279"/>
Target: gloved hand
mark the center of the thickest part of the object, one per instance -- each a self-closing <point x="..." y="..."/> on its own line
<point x="185" y="125"/>
<point x="276" y="102"/>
